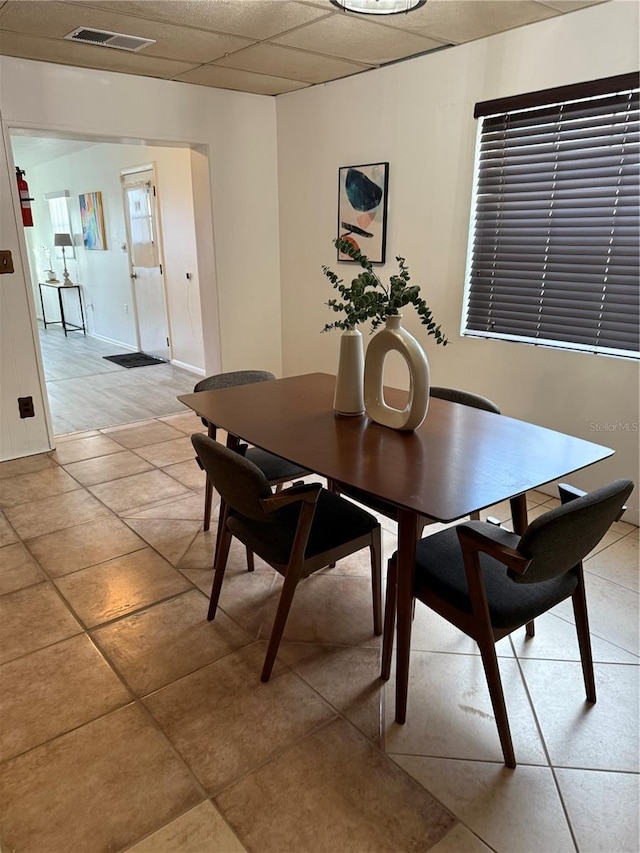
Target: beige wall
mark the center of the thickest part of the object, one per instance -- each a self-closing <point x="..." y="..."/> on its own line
<point x="418" y="115"/>
<point x="238" y="208"/>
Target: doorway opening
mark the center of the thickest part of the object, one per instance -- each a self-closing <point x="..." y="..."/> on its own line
<point x="86" y="391"/>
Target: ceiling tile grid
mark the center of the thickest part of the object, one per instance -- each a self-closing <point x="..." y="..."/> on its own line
<point x="266" y="47"/>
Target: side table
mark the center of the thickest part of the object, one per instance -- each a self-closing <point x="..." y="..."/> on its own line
<point x="66" y="325"/>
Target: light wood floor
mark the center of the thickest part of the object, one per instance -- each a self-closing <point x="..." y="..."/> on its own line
<point x="87" y="392"/>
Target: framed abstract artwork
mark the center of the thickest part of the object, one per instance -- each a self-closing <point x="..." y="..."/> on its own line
<point x="362" y="209"/>
<point x="92" y="217"/>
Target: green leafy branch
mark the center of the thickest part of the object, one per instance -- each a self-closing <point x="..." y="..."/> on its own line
<point x="368" y="298"/>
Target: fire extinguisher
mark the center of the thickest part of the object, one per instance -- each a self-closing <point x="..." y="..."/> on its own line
<point x="25" y="199"/>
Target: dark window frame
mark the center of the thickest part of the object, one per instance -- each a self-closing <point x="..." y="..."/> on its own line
<point x="554" y="254"/>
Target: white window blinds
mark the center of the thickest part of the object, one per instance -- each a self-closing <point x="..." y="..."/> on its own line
<point x="554" y="254"/>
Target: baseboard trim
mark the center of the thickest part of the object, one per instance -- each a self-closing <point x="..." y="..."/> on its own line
<point x="125" y="347"/>
<point x="190" y="367"/>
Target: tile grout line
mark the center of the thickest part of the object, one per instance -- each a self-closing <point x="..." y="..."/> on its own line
<point x="545" y="748"/>
<point x="379" y="747"/>
<point x="139" y="700"/>
<point x="135" y="701"/>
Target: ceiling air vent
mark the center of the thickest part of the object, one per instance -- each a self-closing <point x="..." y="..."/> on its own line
<point x="104" y="38"/>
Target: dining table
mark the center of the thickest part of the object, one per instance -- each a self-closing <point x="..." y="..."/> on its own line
<point x="460" y="460"/>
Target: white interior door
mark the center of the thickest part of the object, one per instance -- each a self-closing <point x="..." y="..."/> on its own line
<point x="145" y="259"/>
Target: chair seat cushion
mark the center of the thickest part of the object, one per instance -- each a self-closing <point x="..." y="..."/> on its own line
<point x="440" y="569"/>
<point x="274" y="468"/>
<point x="335" y="522"/>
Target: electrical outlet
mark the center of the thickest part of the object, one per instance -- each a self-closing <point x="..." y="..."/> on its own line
<point x="25" y="407"/>
<point x="126" y="308"/>
<point x="6" y="261"/>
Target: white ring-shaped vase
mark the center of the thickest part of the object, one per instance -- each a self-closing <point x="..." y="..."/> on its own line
<point x="394" y="338"/>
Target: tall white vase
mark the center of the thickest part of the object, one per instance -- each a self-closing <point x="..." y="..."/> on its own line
<point x="349" y="398"/>
<point x="395" y="338"/>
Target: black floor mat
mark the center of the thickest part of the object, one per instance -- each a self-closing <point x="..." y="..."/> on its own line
<point x="134" y="359"/>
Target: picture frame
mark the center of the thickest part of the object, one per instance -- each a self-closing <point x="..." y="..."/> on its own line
<point x="92" y="216"/>
<point x="362" y="209"/>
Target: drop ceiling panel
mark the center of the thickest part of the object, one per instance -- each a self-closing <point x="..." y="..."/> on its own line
<point x="293" y="64"/>
<point x="241" y="81"/>
<point x="354" y="38"/>
<point x="301" y="42"/>
<point x="87" y="56"/>
<point x="255" y="19"/>
<point x="458" y="21"/>
<point x="58" y="19"/>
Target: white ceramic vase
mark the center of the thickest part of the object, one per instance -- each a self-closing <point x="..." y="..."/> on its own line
<point x="395" y="338"/>
<point x="349" y="398"/>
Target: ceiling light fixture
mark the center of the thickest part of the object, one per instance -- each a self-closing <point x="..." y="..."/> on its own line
<point x="378" y="7"/>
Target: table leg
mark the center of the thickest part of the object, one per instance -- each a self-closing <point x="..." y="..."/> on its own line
<point x="64" y="324"/>
<point x="519" y="513"/>
<point x="44" y="316"/>
<point x="520" y="524"/>
<point x="407" y="538"/>
<point x="84" y="328"/>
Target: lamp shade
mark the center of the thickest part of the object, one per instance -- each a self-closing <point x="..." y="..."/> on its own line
<point x="62" y="240"/>
<point x="378" y="7"/>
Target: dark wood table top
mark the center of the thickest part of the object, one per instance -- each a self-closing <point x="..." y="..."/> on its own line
<point x="460" y="460"/>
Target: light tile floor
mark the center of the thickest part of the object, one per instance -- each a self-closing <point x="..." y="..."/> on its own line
<point x="86" y="391"/>
<point x="131" y="723"/>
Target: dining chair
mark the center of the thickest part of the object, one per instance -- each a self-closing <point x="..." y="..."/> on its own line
<point x="297" y="531"/>
<point x="389" y="510"/>
<point x="488" y="581"/>
<point x="276" y="469"/>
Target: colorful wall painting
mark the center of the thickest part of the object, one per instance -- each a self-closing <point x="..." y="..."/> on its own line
<point x="362" y="209"/>
<point x="93" y="234"/>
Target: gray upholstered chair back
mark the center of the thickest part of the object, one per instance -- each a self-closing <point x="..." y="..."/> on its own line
<point x="561" y="538"/>
<point x="236" y="377"/>
<point x="240" y="483"/>
<point x="467" y="398"/>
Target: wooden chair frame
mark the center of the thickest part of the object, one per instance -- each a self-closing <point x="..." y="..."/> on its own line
<point x="232" y="441"/>
<point x="478" y="625"/>
<point x="298" y="566"/>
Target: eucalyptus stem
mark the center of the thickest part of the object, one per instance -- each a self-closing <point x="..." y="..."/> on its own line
<point x="368" y="298"/>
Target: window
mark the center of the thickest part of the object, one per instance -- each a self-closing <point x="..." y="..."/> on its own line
<point x="554" y="244"/>
<point x="144" y="249"/>
<point x="60" y="221"/>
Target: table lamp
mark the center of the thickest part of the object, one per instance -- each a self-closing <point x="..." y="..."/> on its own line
<point x="63" y="240"/>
